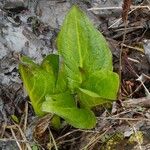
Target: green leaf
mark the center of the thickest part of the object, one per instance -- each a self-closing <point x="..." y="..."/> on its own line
<point x="54" y="67"/>
<point x="42" y="80"/>
<point x="35" y="147"/>
<point x="14" y="118"/>
<point x="101" y="87"/>
<point x="64" y="106"/>
<point x="38" y="82"/>
<point x="63" y="99"/>
<point x="82" y="47"/>
<point x="55" y="122"/>
<point x="61" y="83"/>
<point x="89" y="99"/>
<point x="51" y="64"/>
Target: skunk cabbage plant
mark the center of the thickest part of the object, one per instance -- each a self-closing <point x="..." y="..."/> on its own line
<point x="83" y="79"/>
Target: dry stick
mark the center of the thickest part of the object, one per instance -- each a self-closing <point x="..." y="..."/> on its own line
<point x="26" y="116"/>
<point x="24" y="138"/>
<point x="128" y="14"/>
<point x="92" y="141"/>
<point x="137" y="89"/>
<point x="129" y="119"/>
<point x="89" y="131"/>
<point x="140" y="79"/>
<point x="67" y="134"/>
<point x="121" y="113"/>
<point x="3" y="129"/>
<point x="13" y="134"/>
<point x="20" y="141"/>
<point x="80" y="130"/>
<point x="148" y="77"/>
<point x="55" y="145"/>
<point x="111" y="8"/>
<point x="120" y="57"/>
<point x="130" y="28"/>
<point x="67" y="141"/>
<point x="134" y="48"/>
<point x="144" y="102"/>
<point x="10" y="139"/>
<point x="126" y="7"/>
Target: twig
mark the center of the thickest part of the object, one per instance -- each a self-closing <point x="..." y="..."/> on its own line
<point x="104" y="8"/>
<point x="144" y="102"/>
<point x="20" y="141"/>
<point x="148" y="77"/>
<point x="26" y="116"/>
<point x="134" y="48"/>
<point x="94" y="139"/>
<point x="13" y="134"/>
<point x="126" y="119"/>
<point x="126" y="7"/>
<point x="24" y="137"/>
<point x="111" y="8"/>
<point x="3" y="129"/>
<point x="140" y="79"/>
<point x="10" y="139"/>
<point x="137" y="89"/>
<point x="55" y="145"/>
<point x="59" y="138"/>
<point x="132" y="9"/>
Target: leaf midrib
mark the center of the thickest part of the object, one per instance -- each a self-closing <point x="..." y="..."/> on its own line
<point x="78" y="42"/>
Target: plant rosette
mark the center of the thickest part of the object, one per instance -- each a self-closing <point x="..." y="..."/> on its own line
<point x="84" y="76"/>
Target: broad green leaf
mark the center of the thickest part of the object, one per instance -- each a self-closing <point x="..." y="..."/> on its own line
<point x="42" y="80"/>
<point x="51" y="64"/>
<point x="82" y="47"/>
<point x="89" y="99"/>
<point x="64" y="106"/>
<point x="101" y="87"/>
<point x="61" y="83"/>
<point x="54" y="67"/>
<point x="63" y="99"/>
<point x="38" y="82"/>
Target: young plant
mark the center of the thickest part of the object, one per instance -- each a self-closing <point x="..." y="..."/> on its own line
<point x="83" y="79"/>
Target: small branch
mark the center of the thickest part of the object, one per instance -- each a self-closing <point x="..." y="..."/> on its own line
<point x="13" y="134"/>
<point x="54" y="142"/>
<point x="126" y="119"/>
<point x="120" y="8"/>
<point x="144" y="102"/>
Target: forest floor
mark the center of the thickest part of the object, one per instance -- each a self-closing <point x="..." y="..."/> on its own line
<point x="30" y="27"/>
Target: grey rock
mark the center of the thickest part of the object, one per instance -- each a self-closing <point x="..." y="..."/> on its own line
<point x="52" y="12"/>
<point x="4" y="50"/>
<point x="147" y="49"/>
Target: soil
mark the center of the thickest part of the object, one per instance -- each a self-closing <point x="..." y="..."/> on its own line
<point x="30" y="27"/>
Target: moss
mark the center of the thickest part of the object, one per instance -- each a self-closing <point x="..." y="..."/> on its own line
<point x="113" y="142"/>
<point x="117" y="141"/>
<point x="136" y="137"/>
